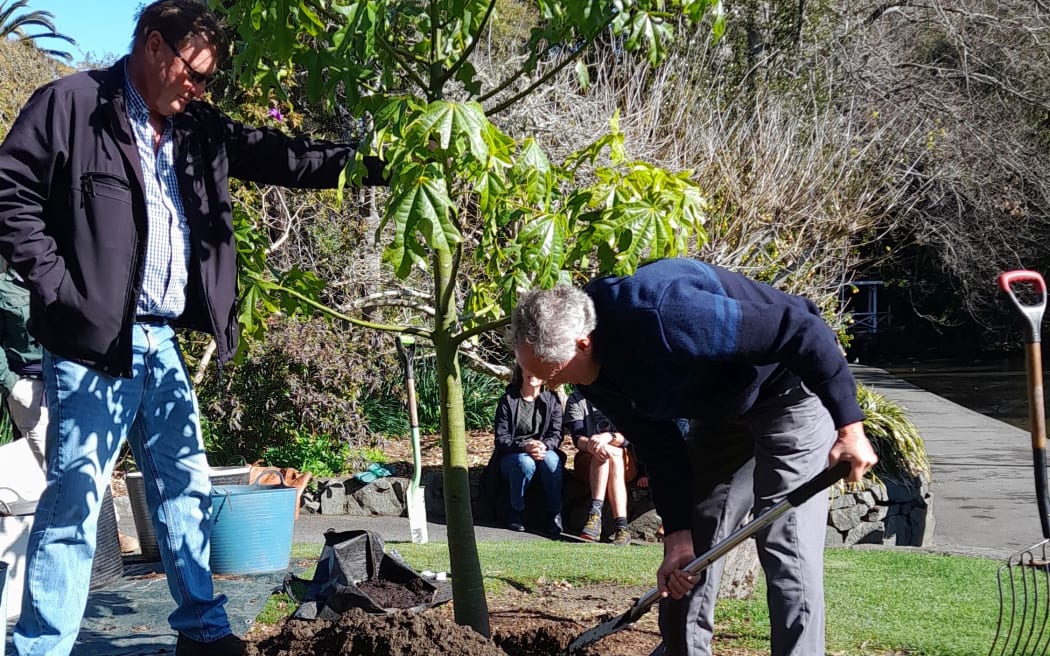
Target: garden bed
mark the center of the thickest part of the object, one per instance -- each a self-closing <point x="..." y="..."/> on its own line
<point x="538" y="623"/>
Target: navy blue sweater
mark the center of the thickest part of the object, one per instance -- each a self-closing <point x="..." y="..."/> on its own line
<point x="681" y="338"/>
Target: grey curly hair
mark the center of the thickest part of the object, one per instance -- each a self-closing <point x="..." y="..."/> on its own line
<point x="551" y="320"/>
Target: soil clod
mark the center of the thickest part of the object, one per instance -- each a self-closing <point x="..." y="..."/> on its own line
<point x="388" y="594"/>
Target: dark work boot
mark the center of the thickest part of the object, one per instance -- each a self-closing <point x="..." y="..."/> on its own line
<point x="554" y="527"/>
<point x="229" y="645"/>
<point x="514" y="522"/>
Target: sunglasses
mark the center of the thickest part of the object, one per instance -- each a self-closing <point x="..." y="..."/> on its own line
<point x="195" y="76"/>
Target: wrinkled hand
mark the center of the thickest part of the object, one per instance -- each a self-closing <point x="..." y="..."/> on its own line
<point x="22" y="393"/>
<point x="853" y="446"/>
<point x="671" y="581"/>
<point x="536" y="449"/>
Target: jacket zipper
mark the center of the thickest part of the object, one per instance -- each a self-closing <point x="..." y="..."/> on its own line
<point x="87" y="182"/>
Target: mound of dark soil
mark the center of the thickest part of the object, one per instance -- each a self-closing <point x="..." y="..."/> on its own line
<point x="538" y="624"/>
<point x="357" y="633"/>
<point x="388" y="594"/>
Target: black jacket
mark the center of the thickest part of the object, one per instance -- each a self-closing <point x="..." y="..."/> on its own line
<point x="73" y="214"/>
<point x="548" y="408"/>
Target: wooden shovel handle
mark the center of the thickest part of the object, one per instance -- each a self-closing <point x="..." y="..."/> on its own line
<point x="1033" y="314"/>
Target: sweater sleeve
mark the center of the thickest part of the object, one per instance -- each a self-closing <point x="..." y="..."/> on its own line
<point x="268" y="156"/>
<point x="575" y="418"/>
<point x="662" y="450"/>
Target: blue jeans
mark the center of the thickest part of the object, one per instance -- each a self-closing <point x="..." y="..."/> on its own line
<point x="91" y="416"/>
<point x="520" y="468"/>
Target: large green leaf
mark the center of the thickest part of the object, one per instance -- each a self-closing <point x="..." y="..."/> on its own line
<point x="448" y="122"/>
<point x="424" y="205"/>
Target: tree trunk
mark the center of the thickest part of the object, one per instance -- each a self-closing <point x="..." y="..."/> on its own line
<point x="740" y="572"/>
<point x="468" y="590"/>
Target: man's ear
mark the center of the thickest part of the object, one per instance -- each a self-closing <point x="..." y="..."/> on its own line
<point x="583" y="343"/>
<point x="154" y="44"/>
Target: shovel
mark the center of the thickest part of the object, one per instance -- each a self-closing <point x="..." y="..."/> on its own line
<point x="1024" y="580"/>
<point x="417" y="507"/>
<point x="811" y="487"/>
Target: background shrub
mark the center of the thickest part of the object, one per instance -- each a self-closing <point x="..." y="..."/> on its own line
<point x="386" y="410"/>
<point x="902" y="453"/>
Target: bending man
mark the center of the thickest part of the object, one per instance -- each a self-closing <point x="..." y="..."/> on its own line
<point x="771" y="402"/>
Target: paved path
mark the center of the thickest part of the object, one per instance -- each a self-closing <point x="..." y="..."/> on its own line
<point x="983" y="489"/>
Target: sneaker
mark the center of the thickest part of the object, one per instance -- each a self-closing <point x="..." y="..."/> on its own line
<point x="621" y="537"/>
<point x="592" y="530"/>
<point x="518" y="527"/>
<point x="229" y="645"/>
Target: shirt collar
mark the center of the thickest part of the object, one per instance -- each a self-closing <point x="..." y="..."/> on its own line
<point x="138" y="110"/>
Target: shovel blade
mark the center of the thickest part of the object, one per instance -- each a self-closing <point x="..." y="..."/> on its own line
<point x="605" y="629"/>
<point x="417" y="515"/>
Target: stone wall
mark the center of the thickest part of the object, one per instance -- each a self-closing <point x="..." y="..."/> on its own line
<point x="387" y="497"/>
<point x="888" y="513"/>
<point x="891" y="513"/>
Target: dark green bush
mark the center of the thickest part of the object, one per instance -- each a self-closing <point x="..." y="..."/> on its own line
<point x="321" y="455"/>
<point x="386" y="410"/>
<point x="297" y="392"/>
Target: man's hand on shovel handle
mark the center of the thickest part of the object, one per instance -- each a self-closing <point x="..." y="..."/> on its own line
<point x="852" y="445"/>
<point x="671" y="581"/>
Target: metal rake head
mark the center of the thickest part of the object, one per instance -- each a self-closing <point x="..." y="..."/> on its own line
<point x="1024" y="603"/>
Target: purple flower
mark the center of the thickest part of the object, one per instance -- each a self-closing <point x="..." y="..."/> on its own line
<point x="275" y="114"/>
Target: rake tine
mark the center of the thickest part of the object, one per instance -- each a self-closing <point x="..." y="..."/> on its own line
<point x="1039" y="566"/>
<point x="1027" y="618"/>
<point x="1043" y="569"/>
<point x="1030" y="601"/>
<point x="1002" y="612"/>
<point x="1007" y="616"/>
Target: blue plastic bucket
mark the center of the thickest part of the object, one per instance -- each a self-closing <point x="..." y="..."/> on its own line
<point x="251" y="530"/>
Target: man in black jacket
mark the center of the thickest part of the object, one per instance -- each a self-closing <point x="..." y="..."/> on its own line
<point x="115" y="209"/>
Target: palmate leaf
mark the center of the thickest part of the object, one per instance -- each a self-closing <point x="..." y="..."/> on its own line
<point x="533" y="172"/>
<point x="542" y="242"/>
<point x="635" y="213"/>
<point x="420" y="206"/>
<point x="650" y="31"/>
<point x="632" y="231"/>
<point x="446" y="122"/>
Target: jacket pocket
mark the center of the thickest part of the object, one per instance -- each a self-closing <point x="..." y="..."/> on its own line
<point x="67" y="311"/>
<point x="100" y="188"/>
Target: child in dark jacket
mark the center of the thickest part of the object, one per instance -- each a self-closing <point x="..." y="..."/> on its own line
<point x="528" y="434"/>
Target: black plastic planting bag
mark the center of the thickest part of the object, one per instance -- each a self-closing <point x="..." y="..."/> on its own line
<point x="356" y="558"/>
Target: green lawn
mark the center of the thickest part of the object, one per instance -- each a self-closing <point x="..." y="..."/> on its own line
<point x="880" y="602"/>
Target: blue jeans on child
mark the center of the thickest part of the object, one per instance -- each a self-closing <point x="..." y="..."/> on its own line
<point x="91" y="416"/>
<point x="520" y="468"/>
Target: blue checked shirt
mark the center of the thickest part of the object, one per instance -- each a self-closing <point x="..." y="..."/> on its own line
<point x="167" y="231"/>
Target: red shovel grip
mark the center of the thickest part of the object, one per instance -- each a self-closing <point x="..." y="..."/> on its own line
<point x="1008" y="278"/>
<point x="1032" y="312"/>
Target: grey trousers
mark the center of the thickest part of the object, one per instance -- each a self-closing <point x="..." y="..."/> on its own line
<point x="754" y="462"/>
